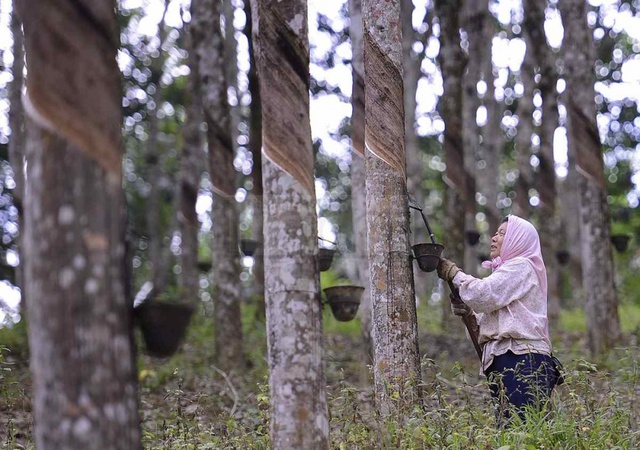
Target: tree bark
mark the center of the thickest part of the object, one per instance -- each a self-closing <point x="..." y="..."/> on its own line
<point x="569" y="199"/>
<point x="358" y="187"/>
<point x="207" y="38"/>
<point x="359" y="212"/>
<point x="255" y="147"/>
<point x="412" y="73"/>
<point x="79" y="315"/>
<point x="230" y="58"/>
<point x="524" y="182"/>
<point x="154" y="158"/>
<point x="601" y="300"/>
<point x="545" y="59"/>
<point x="358" y="192"/>
<point x="299" y="415"/>
<point x="395" y="328"/>
<point x="492" y="134"/>
<point x="16" y="143"/>
<point x="191" y="163"/>
<point x="80" y="330"/>
<point x="475" y="21"/>
<point x="452" y="61"/>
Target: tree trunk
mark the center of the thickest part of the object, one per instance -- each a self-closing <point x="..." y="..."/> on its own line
<point x="475" y="17"/>
<point x="395" y="328"/>
<point x="79" y="315"/>
<point x="412" y="73"/>
<point x="601" y="300"/>
<point x="255" y="147"/>
<point x="16" y="143"/>
<point x="80" y="330"/>
<point x="207" y="38"/>
<point x="358" y="200"/>
<point x="191" y="163"/>
<point x="492" y="151"/>
<point x="299" y="415"/>
<point x="569" y="198"/>
<point x="544" y="57"/>
<point x="521" y="205"/>
<point x="154" y="159"/>
<point x="492" y="135"/>
<point x="452" y="63"/>
<point x="230" y="58"/>
<point x="359" y="212"/>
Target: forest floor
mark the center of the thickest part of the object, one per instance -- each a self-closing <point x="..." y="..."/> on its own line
<point x="185" y="401"/>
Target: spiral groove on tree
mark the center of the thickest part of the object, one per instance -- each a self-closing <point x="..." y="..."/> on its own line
<point x="82" y="106"/>
<point x="384" y="93"/>
<point x="288" y="129"/>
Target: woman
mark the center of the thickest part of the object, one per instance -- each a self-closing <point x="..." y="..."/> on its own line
<point x="510" y="307"/>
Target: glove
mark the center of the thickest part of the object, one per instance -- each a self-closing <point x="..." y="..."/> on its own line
<point x="458" y="307"/>
<point x="447" y="269"/>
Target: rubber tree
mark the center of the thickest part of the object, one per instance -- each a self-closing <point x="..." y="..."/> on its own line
<point x="569" y="215"/>
<point x="155" y="155"/>
<point x="209" y="54"/>
<point x="255" y="147"/>
<point x="358" y="193"/>
<point x="601" y="299"/>
<point x="452" y="61"/>
<point x="570" y="224"/>
<point x="299" y="416"/>
<point x="492" y="135"/>
<point x="412" y="73"/>
<point x="192" y="158"/>
<point x="475" y="19"/>
<point x="524" y="134"/>
<point x="16" y="143"/>
<point x="545" y="183"/>
<point x="395" y="328"/>
<point x="80" y="315"/>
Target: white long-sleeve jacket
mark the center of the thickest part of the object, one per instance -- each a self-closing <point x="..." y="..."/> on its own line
<point x="510" y="308"/>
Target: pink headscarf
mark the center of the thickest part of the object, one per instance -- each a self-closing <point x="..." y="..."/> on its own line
<point x="521" y="239"/>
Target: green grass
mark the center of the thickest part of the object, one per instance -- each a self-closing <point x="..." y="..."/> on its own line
<point x="574" y="320"/>
<point x="593" y="410"/>
<point x="188" y="405"/>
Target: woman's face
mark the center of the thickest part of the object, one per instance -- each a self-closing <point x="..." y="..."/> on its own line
<point x="496" y="240"/>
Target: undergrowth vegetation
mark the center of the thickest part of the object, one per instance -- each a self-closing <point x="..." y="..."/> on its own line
<point x="187" y="403"/>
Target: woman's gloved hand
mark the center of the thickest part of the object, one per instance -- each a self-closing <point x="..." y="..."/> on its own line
<point x="447" y="269"/>
<point x="458" y="307"/>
